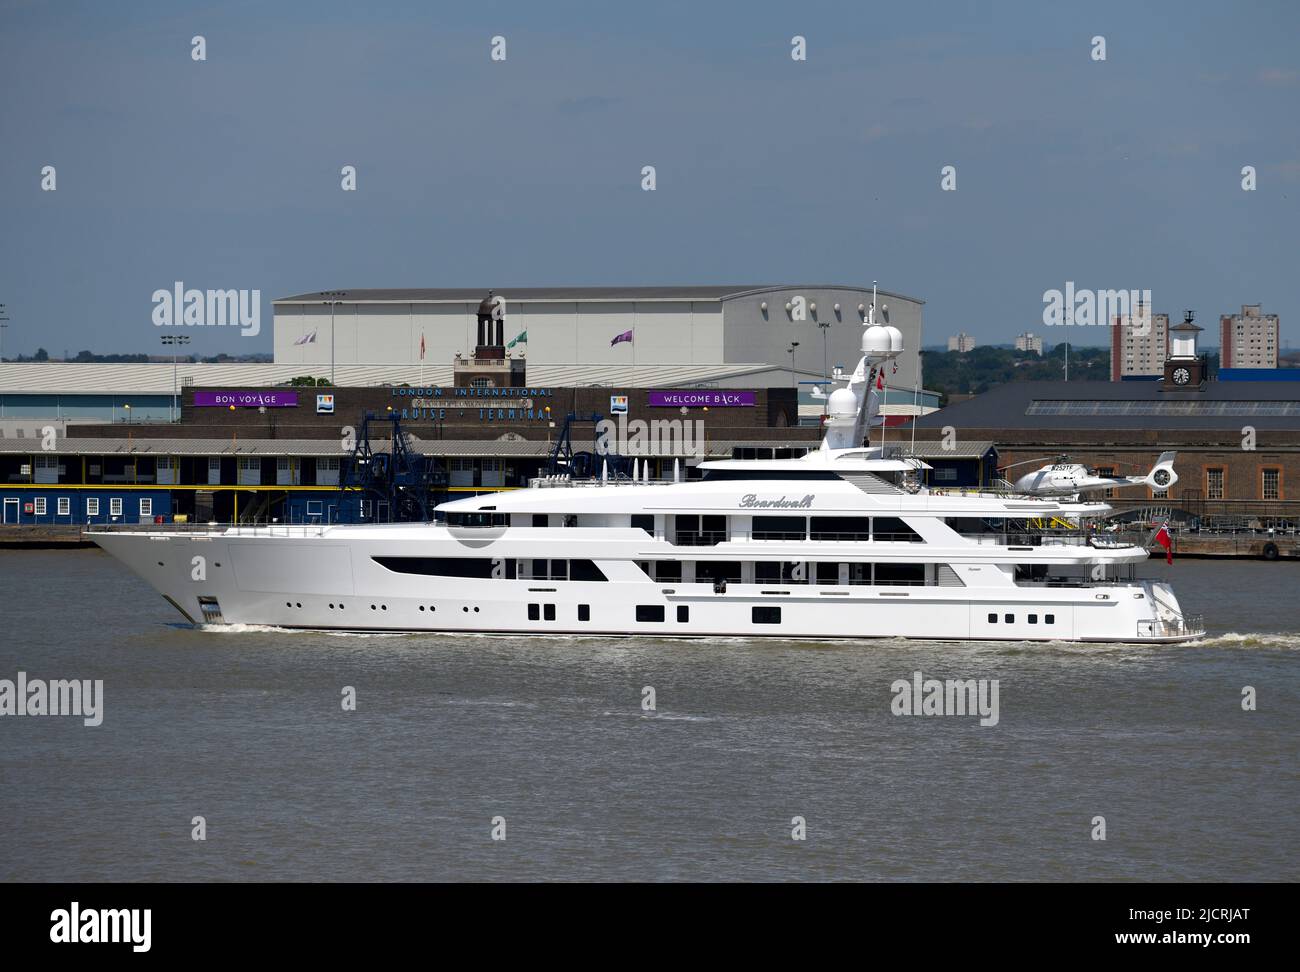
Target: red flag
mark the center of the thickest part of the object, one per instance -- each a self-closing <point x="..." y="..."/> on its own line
<point x="1162" y="538"/>
<point x="880" y="380"/>
<point x="421" y="346"/>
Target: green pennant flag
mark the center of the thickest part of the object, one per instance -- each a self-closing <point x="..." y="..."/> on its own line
<point x="522" y="339"/>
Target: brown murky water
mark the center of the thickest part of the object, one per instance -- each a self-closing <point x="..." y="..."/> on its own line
<point x="245" y="728"/>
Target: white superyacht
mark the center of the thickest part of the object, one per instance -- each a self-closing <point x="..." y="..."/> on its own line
<point x="841" y="543"/>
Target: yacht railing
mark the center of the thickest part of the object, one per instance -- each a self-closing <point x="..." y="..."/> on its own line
<point x="1179" y="626"/>
<point x="1049" y="538"/>
<point x="214" y="529"/>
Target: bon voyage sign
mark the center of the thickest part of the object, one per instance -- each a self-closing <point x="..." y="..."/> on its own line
<point x="702" y="397"/>
<point x="245" y="399"/>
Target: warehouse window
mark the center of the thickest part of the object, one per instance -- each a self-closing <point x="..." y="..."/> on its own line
<point x="40" y="506"/>
<point x="1271" y="488"/>
<point x="1214" y="484"/>
<point x="92" y="506"/>
<point x="115" y="506"/>
<point x="146" y="506"/>
<point x="65" y="505"/>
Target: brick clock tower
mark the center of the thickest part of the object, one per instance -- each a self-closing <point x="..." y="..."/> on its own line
<point x="1185" y="369"/>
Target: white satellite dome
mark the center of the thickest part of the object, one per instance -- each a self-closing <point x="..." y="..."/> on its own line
<point x="876" y="340"/>
<point x="895" y="338"/>
<point x="842" y="404"/>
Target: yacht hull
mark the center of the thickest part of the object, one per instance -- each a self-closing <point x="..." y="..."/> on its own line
<point x="332" y="581"/>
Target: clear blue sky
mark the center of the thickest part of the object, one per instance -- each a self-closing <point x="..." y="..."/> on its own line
<point x="1115" y="174"/>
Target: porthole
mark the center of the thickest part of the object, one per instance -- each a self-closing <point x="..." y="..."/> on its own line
<point x="421" y="607"/>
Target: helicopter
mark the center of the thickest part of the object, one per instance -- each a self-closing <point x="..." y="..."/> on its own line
<point x="1062" y="477"/>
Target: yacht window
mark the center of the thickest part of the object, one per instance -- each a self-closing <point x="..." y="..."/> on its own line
<point x="700" y="531"/>
<point x="828" y="573"/>
<point x="1049" y="619"/>
<point x="548" y="612"/>
<point x="585" y="570"/>
<point x="780" y="528"/>
<point x="668" y="570"/>
<point x="534" y="612"/>
<point x="478" y="567"/>
<point x="766" y="615"/>
<point x="1009" y="618"/>
<point x="475" y="519"/>
<point x="708" y="571"/>
<point x="1033" y="619"/>
<point x="887" y="528"/>
<point x="841" y="528"/>
<point x="859" y="573"/>
<point x="644" y="521"/>
<point x="649" y="612"/>
<point x="993" y="619"/>
<point x="683" y="613"/>
<point x="584" y="612"/>
<point x="779" y="570"/>
<point x="756" y="474"/>
<point x="909" y="574"/>
<point x="974" y="525"/>
<point x="541" y="520"/>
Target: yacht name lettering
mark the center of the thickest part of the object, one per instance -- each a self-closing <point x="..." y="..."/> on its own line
<point x="751" y="502"/>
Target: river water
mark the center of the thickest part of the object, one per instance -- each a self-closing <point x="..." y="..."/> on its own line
<point x="245" y="728"/>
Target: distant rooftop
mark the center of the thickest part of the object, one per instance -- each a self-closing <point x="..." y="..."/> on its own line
<point x="1090" y="405"/>
<point x="459" y="295"/>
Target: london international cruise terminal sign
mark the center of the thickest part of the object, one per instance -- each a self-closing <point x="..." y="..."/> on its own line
<point x="503" y="405"/>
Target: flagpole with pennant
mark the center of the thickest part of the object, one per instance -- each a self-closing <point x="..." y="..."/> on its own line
<point x="630" y="338"/>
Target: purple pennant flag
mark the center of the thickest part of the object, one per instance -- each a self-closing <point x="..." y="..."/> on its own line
<point x="625" y="336"/>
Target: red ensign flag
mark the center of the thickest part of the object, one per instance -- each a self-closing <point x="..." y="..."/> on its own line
<point x="1162" y="538"/>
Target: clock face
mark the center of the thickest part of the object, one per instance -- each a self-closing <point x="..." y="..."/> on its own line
<point x="1182" y="376"/>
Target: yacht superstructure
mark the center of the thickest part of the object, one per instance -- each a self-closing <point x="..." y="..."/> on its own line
<point x="841" y="543"/>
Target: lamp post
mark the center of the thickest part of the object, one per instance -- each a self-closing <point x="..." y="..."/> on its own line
<point x="3" y="324"/>
<point x="174" y="340"/>
<point x="331" y="298"/>
<point x="825" y="327"/>
<point x="793" y="377"/>
<point x="127" y="406"/>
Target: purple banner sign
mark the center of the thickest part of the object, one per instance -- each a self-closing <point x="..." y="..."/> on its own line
<point x="702" y="397"/>
<point x="246" y="399"/>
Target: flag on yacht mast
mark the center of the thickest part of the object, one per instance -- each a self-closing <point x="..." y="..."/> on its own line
<point x="1163" y="538"/>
